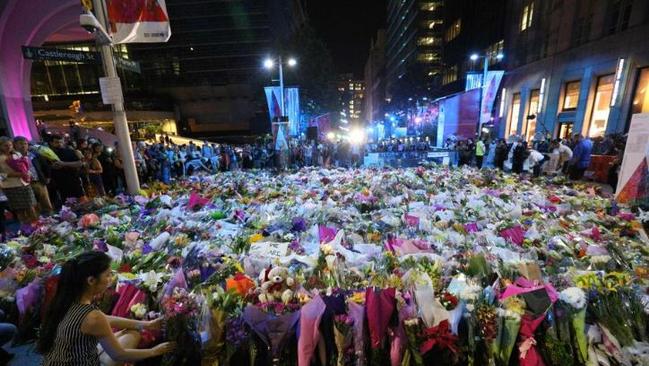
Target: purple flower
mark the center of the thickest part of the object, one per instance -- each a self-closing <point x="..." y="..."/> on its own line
<point x="296" y="247"/>
<point x="146" y="249"/>
<point x="99" y="245"/>
<point x="299" y="224"/>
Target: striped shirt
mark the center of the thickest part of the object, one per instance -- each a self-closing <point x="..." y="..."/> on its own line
<point x="71" y="346"/>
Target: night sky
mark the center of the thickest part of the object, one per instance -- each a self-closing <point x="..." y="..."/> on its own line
<point x="347" y="26"/>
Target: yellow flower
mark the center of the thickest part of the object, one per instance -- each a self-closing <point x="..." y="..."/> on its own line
<point x="255" y="238"/>
<point x="358" y="297"/>
<point x="515" y="304"/>
<point x="326" y="249"/>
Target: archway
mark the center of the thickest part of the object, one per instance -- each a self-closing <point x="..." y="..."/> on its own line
<point x="29" y="23"/>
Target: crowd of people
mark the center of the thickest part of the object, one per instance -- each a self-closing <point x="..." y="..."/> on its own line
<point x="571" y="156"/>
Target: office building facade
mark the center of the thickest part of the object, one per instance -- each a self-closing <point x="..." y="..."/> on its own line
<point x="574" y="67"/>
<point x="374" y="101"/>
<point x="413" y="48"/>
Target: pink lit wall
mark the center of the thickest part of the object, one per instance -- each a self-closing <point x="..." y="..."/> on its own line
<point x="29" y="23"/>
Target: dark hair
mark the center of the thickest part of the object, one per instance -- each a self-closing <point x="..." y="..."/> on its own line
<point x="56" y="137"/>
<point x="71" y="284"/>
<point x="19" y="138"/>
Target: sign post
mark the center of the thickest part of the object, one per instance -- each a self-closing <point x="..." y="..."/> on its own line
<point x="113" y="94"/>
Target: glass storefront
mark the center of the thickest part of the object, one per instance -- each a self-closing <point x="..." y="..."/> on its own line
<point x="571" y="96"/>
<point x="530" y="123"/>
<point x="641" y="94"/>
<point x="601" y="106"/>
<point x="514" y="115"/>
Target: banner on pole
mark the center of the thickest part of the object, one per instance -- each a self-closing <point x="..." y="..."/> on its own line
<point x="489" y="94"/>
<point x="291" y="105"/>
<point x="633" y="181"/>
<point x="138" y="21"/>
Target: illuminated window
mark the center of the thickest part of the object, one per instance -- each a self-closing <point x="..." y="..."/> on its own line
<point x="641" y="96"/>
<point x="528" y="15"/>
<point x="494" y="50"/>
<point x="571" y="96"/>
<point x="430" y="5"/>
<point x="601" y="106"/>
<point x="530" y="123"/>
<point x="428" y="57"/>
<point x="433" y="23"/>
<point x="512" y="126"/>
<point x="450" y="75"/>
<point x="428" y="41"/>
<point x="453" y="31"/>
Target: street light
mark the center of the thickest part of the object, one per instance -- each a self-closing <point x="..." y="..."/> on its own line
<point x="269" y="64"/>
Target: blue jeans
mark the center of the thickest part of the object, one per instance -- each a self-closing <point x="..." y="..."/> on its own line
<point x="7" y="333"/>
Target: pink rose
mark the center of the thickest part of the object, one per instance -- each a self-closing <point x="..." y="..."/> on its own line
<point x="88" y="220"/>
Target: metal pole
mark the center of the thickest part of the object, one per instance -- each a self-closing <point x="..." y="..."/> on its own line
<point x="485" y="68"/>
<point x="119" y="115"/>
<point x="281" y="85"/>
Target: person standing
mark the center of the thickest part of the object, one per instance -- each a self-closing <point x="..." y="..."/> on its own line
<point x="581" y="157"/>
<point x="501" y="154"/>
<point x="39" y="171"/>
<point x="66" y="174"/>
<point x="95" y="183"/>
<point x="479" y="153"/>
<point x="19" y="192"/>
<point x="519" y="156"/>
<point x="565" y="155"/>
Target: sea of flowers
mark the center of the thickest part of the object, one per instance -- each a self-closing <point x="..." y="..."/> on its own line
<point x="358" y="267"/>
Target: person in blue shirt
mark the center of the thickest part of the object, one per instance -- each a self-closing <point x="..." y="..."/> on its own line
<point x="580" y="157"/>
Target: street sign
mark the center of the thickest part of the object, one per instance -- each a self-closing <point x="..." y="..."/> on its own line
<point x="129" y="65"/>
<point x="111" y="90"/>
<point x="58" y="54"/>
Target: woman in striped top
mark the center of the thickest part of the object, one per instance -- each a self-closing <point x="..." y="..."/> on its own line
<point x="73" y="327"/>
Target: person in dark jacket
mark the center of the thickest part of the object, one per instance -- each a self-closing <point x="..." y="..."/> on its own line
<point x="501" y="154"/>
<point x="520" y="154"/>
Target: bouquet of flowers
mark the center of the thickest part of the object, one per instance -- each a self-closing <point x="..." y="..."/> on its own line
<point x="343" y="337"/>
<point x="180" y="310"/>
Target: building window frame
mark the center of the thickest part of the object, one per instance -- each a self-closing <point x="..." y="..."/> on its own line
<point x="514" y="110"/>
<point x="532" y="110"/>
<point x="454" y="30"/>
<point x="527" y="16"/>
<point x="606" y="103"/>
<point x="565" y="95"/>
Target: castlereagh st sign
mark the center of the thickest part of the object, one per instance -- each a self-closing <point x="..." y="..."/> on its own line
<point x="58" y="54"/>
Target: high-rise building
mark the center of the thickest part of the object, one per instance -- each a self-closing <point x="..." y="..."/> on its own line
<point x="375" y="80"/>
<point x="211" y="66"/>
<point x="574" y="67"/>
<point x="470" y="27"/>
<point x="351" y="93"/>
<point x="414" y="48"/>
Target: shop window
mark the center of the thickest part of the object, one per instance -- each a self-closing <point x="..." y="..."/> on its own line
<point x="641" y="94"/>
<point x="530" y="119"/>
<point x="601" y="106"/>
<point x="571" y="95"/>
<point x="514" y="115"/>
<point x="565" y="130"/>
